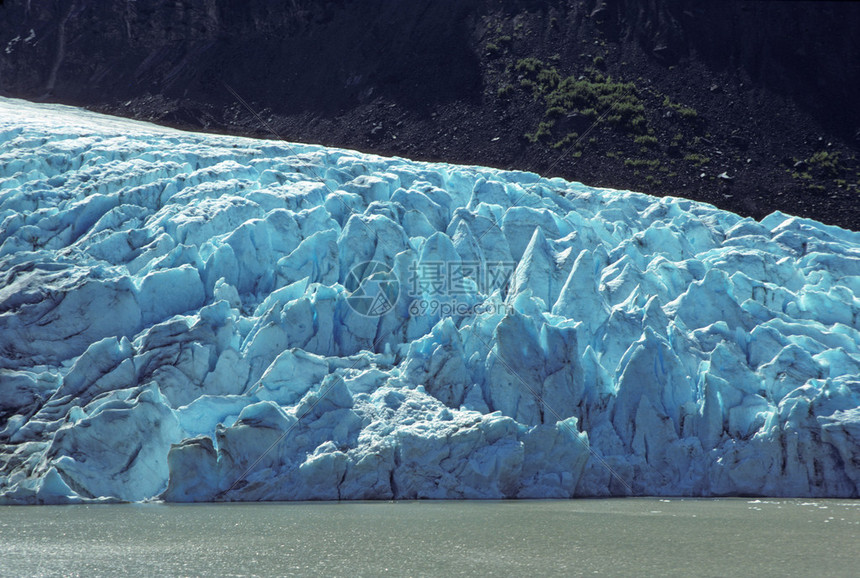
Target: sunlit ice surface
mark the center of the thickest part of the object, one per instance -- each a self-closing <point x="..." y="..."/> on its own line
<point x="192" y="317"/>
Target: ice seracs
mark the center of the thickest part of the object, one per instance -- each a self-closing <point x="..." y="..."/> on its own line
<point x="192" y="317"/>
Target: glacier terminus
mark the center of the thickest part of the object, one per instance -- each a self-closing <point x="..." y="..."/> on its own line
<point x="191" y="317"/>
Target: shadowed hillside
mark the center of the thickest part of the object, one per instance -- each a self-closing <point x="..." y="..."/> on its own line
<point x="749" y="105"/>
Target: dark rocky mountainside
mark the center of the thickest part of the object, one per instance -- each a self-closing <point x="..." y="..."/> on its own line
<point x="751" y="106"/>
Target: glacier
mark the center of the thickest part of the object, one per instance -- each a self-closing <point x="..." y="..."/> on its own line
<point x="193" y="317"/>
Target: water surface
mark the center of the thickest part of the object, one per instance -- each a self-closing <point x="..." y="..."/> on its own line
<point x="578" y="537"/>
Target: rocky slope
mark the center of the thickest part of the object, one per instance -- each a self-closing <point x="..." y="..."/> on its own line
<point x="750" y="106"/>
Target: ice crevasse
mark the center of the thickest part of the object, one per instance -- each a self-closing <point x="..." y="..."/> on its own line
<point x="191" y="317"/>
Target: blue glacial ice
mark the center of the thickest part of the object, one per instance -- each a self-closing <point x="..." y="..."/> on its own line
<point x="191" y="317"/>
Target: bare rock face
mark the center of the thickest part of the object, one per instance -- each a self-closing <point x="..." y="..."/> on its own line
<point x="295" y="56"/>
<point x="768" y="83"/>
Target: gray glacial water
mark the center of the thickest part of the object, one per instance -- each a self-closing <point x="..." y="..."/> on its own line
<point x="766" y="537"/>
